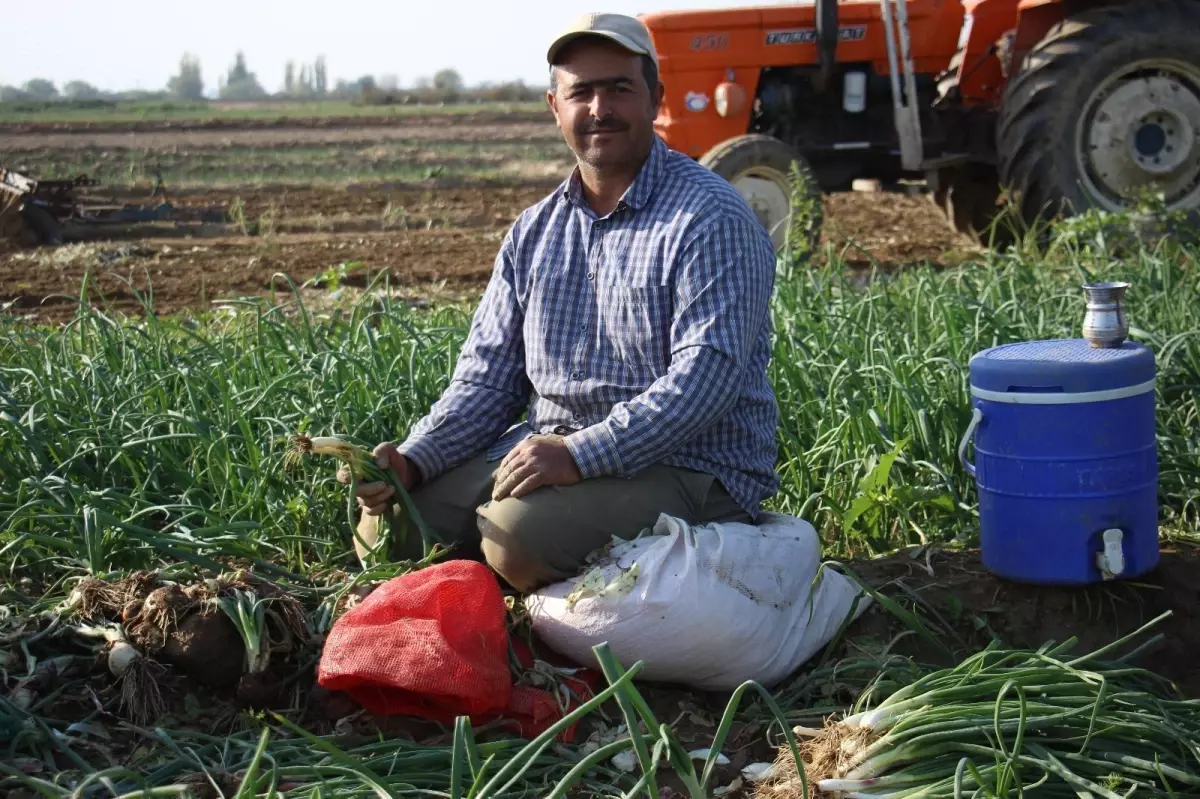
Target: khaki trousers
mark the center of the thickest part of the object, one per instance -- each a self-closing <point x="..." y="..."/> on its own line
<point x="544" y="536"/>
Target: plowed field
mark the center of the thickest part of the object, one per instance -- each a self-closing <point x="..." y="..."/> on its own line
<point x="424" y="199"/>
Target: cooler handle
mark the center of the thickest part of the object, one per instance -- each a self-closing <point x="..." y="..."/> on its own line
<point x="976" y="418"/>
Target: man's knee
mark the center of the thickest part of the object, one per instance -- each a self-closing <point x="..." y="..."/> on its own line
<point x="516" y="541"/>
<point x="367" y="533"/>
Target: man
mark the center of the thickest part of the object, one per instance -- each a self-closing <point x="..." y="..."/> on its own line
<point x="631" y="305"/>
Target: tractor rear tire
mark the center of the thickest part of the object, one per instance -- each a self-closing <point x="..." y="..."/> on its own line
<point x="1105" y="106"/>
<point x="759" y="167"/>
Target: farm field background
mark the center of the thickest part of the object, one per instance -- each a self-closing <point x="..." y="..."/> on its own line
<point x="241" y="113"/>
<point x="150" y="386"/>
<point x="424" y="197"/>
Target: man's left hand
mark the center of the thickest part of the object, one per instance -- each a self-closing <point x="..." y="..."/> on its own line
<point x="536" y="461"/>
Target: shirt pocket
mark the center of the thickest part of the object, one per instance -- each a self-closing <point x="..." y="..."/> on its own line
<point x="636" y="323"/>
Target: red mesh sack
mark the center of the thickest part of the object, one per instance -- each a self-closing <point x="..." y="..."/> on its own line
<point x="431" y="643"/>
<point x="532" y="710"/>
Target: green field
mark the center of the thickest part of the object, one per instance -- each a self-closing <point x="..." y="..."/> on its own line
<point x="123" y="112"/>
<point x="161" y="444"/>
<point x="187" y="419"/>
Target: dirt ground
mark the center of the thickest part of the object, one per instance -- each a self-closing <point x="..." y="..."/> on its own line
<point x="282" y="125"/>
<point x="16" y="143"/>
<point x="438" y="242"/>
<point x="436" y="236"/>
<point x="966" y="606"/>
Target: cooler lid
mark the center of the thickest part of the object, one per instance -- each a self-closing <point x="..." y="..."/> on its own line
<point x="1064" y="366"/>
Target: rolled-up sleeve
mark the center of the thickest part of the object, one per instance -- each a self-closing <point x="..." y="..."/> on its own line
<point x="722" y="289"/>
<point x="489" y="389"/>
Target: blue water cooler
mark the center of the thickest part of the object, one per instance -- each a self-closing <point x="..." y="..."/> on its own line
<point x="1065" y="460"/>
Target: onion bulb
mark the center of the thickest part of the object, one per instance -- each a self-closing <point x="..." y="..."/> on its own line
<point x="22" y="696"/>
<point x="121" y="657"/>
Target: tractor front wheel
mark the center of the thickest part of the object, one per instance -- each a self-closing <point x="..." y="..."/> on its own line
<point x="759" y="167"/>
<point x="1105" y="107"/>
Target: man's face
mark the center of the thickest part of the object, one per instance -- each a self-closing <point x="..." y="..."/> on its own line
<point x="603" y="105"/>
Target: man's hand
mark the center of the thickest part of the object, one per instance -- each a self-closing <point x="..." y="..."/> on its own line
<point x="375" y="498"/>
<point x="536" y="461"/>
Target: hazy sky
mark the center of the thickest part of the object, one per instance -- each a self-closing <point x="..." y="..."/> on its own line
<point x="127" y="44"/>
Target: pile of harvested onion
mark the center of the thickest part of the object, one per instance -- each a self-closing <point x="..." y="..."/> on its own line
<point x="1004" y="722"/>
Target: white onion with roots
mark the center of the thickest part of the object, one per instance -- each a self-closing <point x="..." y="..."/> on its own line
<point x="121" y="656"/>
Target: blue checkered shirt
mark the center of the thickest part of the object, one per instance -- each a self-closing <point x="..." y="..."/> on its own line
<point x="643" y="336"/>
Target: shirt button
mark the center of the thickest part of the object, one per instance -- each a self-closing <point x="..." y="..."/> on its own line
<point x="583" y="327"/>
<point x="591" y="275"/>
<point x="575" y="375"/>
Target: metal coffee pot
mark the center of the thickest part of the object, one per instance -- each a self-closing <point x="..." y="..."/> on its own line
<point x="1105" y="323"/>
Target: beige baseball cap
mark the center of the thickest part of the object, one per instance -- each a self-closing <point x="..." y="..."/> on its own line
<point x="629" y="32"/>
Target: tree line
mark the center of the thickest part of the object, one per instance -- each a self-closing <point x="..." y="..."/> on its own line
<point x="302" y="81"/>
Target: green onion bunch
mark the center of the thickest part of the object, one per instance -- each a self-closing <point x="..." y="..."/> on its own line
<point x="1004" y="722"/>
<point x="361" y="465"/>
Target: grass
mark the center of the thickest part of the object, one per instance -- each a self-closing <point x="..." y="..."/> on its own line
<point x="161" y="443"/>
<point x="169" y="433"/>
<point x="859" y="370"/>
<point x="282" y="110"/>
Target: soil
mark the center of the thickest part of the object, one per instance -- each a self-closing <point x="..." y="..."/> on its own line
<point x="207" y="647"/>
<point x="963" y="599"/>
<point x="200" y="785"/>
<point x="17" y="144"/>
<point x="259" y="691"/>
<point x="284" y="125"/>
<point x="436" y="243"/>
<point x="435" y="238"/>
<point x="891" y="230"/>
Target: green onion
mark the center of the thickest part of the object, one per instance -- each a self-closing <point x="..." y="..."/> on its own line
<point x="362" y="465"/>
<point x="1026" y="717"/>
<point x="248" y="614"/>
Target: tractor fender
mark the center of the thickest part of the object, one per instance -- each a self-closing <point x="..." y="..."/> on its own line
<point x="1034" y="19"/>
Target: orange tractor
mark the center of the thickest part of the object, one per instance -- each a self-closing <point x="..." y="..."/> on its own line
<point x="1065" y="104"/>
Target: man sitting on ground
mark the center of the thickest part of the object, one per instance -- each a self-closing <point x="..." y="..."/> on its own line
<point x="627" y="313"/>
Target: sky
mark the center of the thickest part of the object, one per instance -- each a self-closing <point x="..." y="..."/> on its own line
<point x="136" y="44"/>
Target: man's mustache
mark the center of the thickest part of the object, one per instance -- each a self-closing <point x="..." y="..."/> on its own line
<point x="606" y="125"/>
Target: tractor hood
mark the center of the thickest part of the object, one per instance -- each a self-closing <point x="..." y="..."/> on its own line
<point x="761" y="36"/>
<point x="736" y="37"/>
<point x="705" y="19"/>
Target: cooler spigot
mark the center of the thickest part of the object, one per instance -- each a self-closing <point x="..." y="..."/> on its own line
<point x="1111" y="561"/>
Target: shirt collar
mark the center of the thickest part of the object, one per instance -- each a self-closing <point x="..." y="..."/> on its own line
<point x="640" y="191"/>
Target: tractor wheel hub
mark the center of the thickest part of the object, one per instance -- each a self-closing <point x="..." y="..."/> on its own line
<point x="1161" y="141"/>
<point x="769" y="201"/>
<point x="1141" y="131"/>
